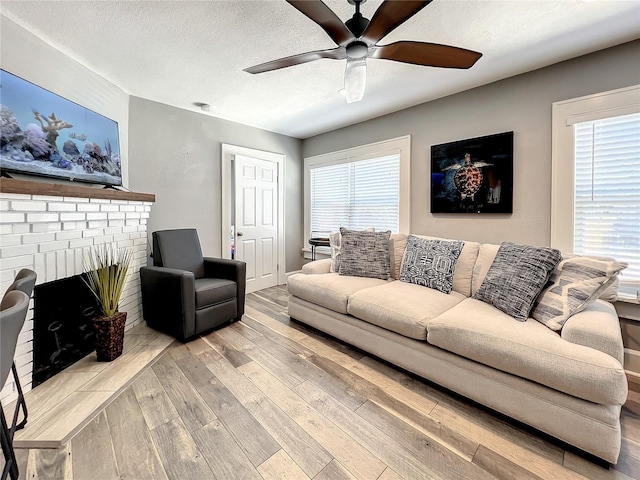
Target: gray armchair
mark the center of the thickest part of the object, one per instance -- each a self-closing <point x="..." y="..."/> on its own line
<point x="185" y="294"/>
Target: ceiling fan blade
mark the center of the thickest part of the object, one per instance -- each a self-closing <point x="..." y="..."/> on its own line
<point x="388" y="16"/>
<point x="427" y="54"/>
<point x="334" y="53"/>
<point x="324" y="16"/>
<point x="355" y="79"/>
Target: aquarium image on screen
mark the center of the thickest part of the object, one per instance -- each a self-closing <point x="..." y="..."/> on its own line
<point x="44" y="134"/>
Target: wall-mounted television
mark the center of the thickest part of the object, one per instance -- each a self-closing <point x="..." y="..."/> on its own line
<point x="44" y="134"/>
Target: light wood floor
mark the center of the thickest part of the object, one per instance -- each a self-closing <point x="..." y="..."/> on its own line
<point x="270" y="398"/>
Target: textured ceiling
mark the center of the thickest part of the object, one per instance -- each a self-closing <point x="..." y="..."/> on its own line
<point x="181" y="52"/>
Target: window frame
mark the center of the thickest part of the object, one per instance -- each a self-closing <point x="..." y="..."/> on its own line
<point x="400" y="146"/>
<point x="565" y="114"/>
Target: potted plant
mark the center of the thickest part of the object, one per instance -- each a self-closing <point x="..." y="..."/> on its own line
<point x="105" y="274"/>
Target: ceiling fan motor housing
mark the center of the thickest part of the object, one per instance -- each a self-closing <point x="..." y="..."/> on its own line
<point x="357" y="24"/>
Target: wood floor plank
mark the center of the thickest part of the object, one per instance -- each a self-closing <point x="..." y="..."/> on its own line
<point x="272" y="323"/>
<point x="277" y="366"/>
<point x="307" y="370"/>
<point x="225" y="457"/>
<point x="335" y="471"/>
<point x="154" y="401"/>
<point x="227" y="349"/>
<point x="50" y="463"/>
<point x="302" y="448"/>
<point x="275" y="297"/>
<point x="390" y="386"/>
<point x="252" y="437"/>
<point x="281" y="467"/>
<point x="532" y="461"/>
<point x="500" y="467"/>
<point x="135" y="452"/>
<point x="629" y="459"/>
<point x="353" y="456"/>
<point x="181" y="458"/>
<point x="373" y="439"/>
<point x="250" y="325"/>
<point x="592" y="471"/>
<point x="93" y="455"/>
<point x="630" y="417"/>
<point x="428" y="448"/>
<point x="187" y="401"/>
<point x="389" y="474"/>
<point x="22" y="457"/>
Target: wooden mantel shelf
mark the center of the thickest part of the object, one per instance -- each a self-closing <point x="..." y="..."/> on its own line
<point x="13" y="185"/>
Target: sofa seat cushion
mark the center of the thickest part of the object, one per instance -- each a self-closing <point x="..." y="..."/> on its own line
<point x="329" y="290"/>
<point x="212" y="291"/>
<point x="480" y="332"/>
<point x="401" y="307"/>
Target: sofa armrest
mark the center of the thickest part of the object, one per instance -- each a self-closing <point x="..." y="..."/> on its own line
<point x="233" y="270"/>
<point x="169" y="300"/>
<point x="317" y="266"/>
<point x="597" y="327"/>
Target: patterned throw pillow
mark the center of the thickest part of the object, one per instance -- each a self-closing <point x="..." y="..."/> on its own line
<point x="516" y="277"/>
<point x="575" y="284"/>
<point x="335" y="241"/>
<point x="365" y="254"/>
<point x="430" y="263"/>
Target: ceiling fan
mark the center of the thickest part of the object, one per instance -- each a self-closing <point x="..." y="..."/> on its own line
<point x="358" y="38"/>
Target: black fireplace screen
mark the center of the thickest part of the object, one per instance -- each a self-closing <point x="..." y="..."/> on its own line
<point x="62" y="330"/>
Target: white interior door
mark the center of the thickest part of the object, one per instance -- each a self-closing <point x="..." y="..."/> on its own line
<point x="256" y="220"/>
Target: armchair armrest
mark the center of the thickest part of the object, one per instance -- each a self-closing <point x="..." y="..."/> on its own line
<point x="168" y="300"/>
<point x="233" y="270"/>
<point x="598" y="327"/>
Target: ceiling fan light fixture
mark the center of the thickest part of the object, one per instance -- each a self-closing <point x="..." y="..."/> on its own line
<point x="355" y="79"/>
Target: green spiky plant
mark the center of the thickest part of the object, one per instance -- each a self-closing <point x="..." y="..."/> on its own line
<point x="106" y="269"/>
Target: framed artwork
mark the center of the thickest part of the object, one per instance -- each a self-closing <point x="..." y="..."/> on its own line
<point x="473" y="175"/>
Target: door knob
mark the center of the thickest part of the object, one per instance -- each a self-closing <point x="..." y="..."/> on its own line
<point x="239" y="234"/>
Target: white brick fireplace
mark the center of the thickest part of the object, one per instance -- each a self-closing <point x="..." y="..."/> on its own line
<point x="48" y="232"/>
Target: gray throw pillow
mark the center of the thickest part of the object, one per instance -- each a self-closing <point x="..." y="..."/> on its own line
<point x="365" y="254"/>
<point x="575" y="284"/>
<point x="430" y="263"/>
<point x="516" y="277"/>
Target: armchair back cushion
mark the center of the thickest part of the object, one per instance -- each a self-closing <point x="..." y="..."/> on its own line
<point x="178" y="249"/>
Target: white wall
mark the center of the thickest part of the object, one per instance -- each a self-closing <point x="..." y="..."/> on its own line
<point x="27" y="56"/>
<point x="176" y="154"/>
<point x="521" y="104"/>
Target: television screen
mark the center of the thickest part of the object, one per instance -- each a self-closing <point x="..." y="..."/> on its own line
<point x="473" y="175"/>
<point x="43" y="134"/>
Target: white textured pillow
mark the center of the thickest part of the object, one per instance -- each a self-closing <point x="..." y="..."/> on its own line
<point x="575" y="284"/>
<point x="335" y="242"/>
<point x="365" y="254"/>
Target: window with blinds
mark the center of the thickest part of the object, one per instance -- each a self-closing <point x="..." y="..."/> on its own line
<point x="356" y="195"/>
<point x="607" y="191"/>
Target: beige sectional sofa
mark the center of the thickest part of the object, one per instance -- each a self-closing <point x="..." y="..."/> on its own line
<point x="570" y="385"/>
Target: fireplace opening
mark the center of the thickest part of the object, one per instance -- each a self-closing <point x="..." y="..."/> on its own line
<point x="62" y="329"/>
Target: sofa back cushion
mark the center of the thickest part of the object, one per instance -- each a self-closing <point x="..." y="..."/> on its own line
<point x="464" y="266"/>
<point x="397" y="246"/>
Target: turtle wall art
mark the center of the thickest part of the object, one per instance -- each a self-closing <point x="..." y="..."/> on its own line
<point x="473" y="175"/>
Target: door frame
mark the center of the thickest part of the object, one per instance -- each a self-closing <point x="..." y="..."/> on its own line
<point x="228" y="151"/>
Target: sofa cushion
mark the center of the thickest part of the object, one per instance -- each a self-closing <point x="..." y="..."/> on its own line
<point x="430" y="263"/>
<point x="576" y="283"/>
<point x="397" y="245"/>
<point x="530" y="350"/>
<point x="464" y="267"/>
<point x="486" y="255"/>
<point x="401" y="307"/>
<point x="329" y="290"/>
<point x="365" y="254"/>
<point x="516" y="278"/>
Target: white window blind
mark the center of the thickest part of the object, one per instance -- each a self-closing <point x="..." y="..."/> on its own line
<point x="356" y="195"/>
<point x="607" y="191"/>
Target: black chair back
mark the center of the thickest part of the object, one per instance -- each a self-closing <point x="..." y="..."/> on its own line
<point x="178" y="249"/>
